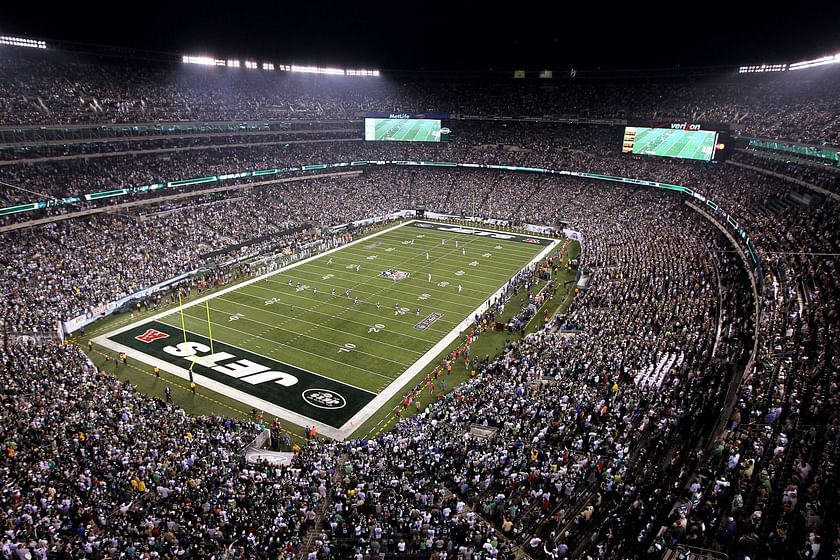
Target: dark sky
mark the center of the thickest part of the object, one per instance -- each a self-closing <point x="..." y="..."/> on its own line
<point x="447" y="35"/>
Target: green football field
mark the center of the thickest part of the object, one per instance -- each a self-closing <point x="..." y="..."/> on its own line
<point x="688" y="144"/>
<point x="406" y="130"/>
<point x="331" y="338"/>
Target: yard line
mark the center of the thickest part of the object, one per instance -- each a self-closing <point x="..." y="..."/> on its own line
<point x="695" y="142"/>
<point x="421" y="127"/>
<point x="319" y="283"/>
<point x="431" y="268"/>
<point x="305" y="335"/>
<point x="344" y="308"/>
<point x="448" y="302"/>
<point x="460" y="280"/>
<point x="402" y="262"/>
<point x="319" y="325"/>
<point x="677" y="138"/>
<point x="517" y="247"/>
<point x="501" y="260"/>
<point x="368" y="325"/>
<point x="251" y="336"/>
<point x="643" y="140"/>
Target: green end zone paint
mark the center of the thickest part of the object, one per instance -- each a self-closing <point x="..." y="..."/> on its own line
<point x="292" y="388"/>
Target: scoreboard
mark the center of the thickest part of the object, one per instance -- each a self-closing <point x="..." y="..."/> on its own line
<point x="683" y="140"/>
<point x="406" y="127"/>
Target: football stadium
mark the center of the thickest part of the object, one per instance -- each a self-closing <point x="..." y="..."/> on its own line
<point x="282" y="287"/>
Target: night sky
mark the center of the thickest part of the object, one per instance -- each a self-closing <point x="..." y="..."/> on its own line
<point x="447" y="35"/>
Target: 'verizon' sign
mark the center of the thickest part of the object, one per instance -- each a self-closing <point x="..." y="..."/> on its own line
<point x="312" y="395"/>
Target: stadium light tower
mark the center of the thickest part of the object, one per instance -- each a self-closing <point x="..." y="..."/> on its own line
<point x="22" y="42"/>
<point x="822" y="61"/>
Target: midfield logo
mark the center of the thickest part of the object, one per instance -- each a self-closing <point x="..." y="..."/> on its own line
<point x="394" y="274"/>
<point x="151" y="335"/>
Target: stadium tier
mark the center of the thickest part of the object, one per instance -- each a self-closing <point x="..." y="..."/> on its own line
<point x="243" y="318"/>
<point x="42" y="88"/>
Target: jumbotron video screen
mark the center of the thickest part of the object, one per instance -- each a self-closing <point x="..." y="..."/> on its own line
<point x="406" y="128"/>
<point x="675" y="140"/>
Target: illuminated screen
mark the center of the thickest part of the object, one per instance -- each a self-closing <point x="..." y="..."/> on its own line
<point x="405" y="130"/>
<point x="668" y="142"/>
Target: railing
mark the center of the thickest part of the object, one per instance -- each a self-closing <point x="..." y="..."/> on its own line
<point x="685" y="552"/>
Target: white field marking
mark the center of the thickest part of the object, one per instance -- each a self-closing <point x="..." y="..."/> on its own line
<point x="236" y="394"/>
<point x="478" y="286"/>
<point x="254" y="280"/>
<point x="517" y="247"/>
<point x="419" y="270"/>
<point x="515" y="263"/>
<point x="357" y="311"/>
<point x="397" y="384"/>
<point x="408" y="280"/>
<point x="356" y="290"/>
<point x="671" y="145"/>
<point x="641" y="147"/>
<point x="510" y="252"/>
<point x="352" y="256"/>
<point x="694" y="144"/>
<point x="366" y="325"/>
<point x="251" y="336"/>
<point x="359" y="418"/>
<point x="411" y="258"/>
<point x="318" y="325"/>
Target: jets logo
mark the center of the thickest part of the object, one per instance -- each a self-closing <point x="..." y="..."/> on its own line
<point x="324" y="398"/>
<point x="151" y="335"/>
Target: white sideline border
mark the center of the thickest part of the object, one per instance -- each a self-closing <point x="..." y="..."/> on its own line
<point x="366" y="411"/>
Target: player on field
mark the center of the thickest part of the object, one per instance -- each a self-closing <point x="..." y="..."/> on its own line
<point x="329" y="261"/>
<point x="378" y="305"/>
<point x="333" y="292"/>
<point x="355" y="300"/>
<point x="315" y="291"/>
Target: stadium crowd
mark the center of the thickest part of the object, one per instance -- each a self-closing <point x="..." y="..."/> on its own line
<point x="597" y="443"/>
<point x="432" y="491"/>
<point x="65" y="88"/>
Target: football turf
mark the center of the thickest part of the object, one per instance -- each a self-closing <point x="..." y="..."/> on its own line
<point x="321" y="339"/>
<point x="688" y="144"/>
<point x="407" y="130"/>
